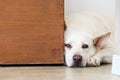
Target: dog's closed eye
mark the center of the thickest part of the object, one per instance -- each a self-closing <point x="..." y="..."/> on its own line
<point x="68" y="46"/>
<point x="85" y="46"/>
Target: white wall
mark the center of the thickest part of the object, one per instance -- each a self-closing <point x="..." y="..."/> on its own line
<point x="117" y="29"/>
<point x="103" y="6"/>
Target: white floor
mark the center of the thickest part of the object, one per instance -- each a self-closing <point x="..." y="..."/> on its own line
<point x="57" y="73"/>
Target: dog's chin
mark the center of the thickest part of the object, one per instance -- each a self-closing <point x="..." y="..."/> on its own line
<point x="70" y="63"/>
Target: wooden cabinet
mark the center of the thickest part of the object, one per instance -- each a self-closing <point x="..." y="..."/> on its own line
<point x="31" y="31"/>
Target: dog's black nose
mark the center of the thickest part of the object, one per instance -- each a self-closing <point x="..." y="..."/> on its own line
<point x="77" y="58"/>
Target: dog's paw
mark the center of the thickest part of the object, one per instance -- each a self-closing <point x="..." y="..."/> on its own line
<point x="93" y="62"/>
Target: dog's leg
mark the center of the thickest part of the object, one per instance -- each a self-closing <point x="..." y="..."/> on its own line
<point x="95" y="60"/>
<point x="102" y="56"/>
<point x="107" y="55"/>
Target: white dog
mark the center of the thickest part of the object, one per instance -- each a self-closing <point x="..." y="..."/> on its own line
<point x="88" y="39"/>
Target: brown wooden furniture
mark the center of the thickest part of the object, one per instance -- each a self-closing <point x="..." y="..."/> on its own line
<point x="31" y="31"/>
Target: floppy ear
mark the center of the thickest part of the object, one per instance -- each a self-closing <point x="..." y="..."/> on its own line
<point x="100" y="41"/>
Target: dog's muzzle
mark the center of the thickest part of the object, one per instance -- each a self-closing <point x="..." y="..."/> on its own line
<point x="77" y="59"/>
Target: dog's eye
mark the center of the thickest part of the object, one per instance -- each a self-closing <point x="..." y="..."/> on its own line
<point x="84" y="46"/>
<point x="68" y="46"/>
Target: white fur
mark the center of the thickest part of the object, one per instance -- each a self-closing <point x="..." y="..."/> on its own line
<point x="83" y="28"/>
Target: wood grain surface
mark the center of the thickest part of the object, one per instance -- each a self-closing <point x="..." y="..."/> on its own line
<point x="31" y="31"/>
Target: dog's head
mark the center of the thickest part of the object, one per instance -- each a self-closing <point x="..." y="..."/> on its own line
<point x="80" y="47"/>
